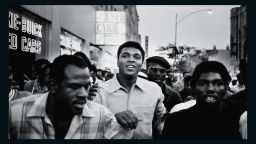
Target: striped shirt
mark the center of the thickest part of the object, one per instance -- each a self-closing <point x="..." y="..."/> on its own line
<point x="28" y="120"/>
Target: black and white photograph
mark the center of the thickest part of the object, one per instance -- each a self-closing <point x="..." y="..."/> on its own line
<point x="127" y="72"/>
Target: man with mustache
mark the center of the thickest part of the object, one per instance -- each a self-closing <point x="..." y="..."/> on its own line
<point x="136" y="102"/>
<point x="212" y="116"/>
<point x="64" y="112"/>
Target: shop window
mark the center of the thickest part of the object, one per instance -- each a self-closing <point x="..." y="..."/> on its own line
<point x="69" y="43"/>
<point x="26" y="39"/>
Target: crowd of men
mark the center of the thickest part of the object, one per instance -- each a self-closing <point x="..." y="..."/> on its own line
<point x="71" y="99"/>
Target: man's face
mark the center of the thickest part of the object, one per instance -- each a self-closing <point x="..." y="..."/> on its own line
<point x="210" y="89"/>
<point x="73" y="90"/>
<point x="130" y="61"/>
<point x="156" y="73"/>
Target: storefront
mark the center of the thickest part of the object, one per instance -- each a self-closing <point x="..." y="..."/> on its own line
<point x="26" y="40"/>
<point x="69" y="43"/>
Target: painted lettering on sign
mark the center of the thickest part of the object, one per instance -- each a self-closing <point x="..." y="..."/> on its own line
<point x="13" y="21"/>
<point x="24" y="33"/>
<point x="110" y="27"/>
<point x="30" y="45"/>
<point x="13" y="39"/>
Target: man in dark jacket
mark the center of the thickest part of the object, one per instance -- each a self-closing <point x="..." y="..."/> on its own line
<point x="212" y="116"/>
<point x="156" y="70"/>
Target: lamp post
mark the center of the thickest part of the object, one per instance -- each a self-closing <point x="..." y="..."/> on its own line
<point x="184" y="17"/>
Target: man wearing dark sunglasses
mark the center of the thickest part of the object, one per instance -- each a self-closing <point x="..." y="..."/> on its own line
<point x="156" y="71"/>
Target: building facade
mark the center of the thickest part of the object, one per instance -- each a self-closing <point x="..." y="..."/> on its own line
<point x="115" y="24"/>
<point x="47" y="31"/>
<point x="238" y="37"/>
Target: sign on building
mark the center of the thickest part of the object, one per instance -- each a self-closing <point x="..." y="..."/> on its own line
<point x="25" y="33"/>
<point x="110" y="27"/>
<point x="69" y="43"/>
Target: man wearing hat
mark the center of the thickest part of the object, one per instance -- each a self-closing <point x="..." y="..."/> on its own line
<point x="156" y="70"/>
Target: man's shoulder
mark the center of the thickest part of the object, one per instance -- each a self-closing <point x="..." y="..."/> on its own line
<point x="183" y="106"/>
<point x="180" y="116"/>
<point x="106" y="84"/>
<point x="170" y="91"/>
<point x="148" y="84"/>
<point x="95" y="105"/>
<point x="98" y="109"/>
<point x="146" y="81"/>
<point x="22" y="94"/>
<point x="28" y="99"/>
<point x="241" y="95"/>
<point x="188" y="112"/>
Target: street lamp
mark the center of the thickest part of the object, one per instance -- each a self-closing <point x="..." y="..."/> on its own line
<point x="209" y="11"/>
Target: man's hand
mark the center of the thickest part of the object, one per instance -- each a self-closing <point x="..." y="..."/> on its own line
<point x="93" y="91"/>
<point x="127" y="119"/>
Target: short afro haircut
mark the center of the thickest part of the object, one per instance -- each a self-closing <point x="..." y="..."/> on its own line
<point x="210" y="66"/>
<point x="132" y="44"/>
<point x="85" y="58"/>
<point x="57" y="71"/>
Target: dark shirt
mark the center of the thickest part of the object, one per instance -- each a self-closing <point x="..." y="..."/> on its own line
<point x="240" y="98"/>
<point x="184" y="94"/>
<point x="198" y="123"/>
<point x="171" y="97"/>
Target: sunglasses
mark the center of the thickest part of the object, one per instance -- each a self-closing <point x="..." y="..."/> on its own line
<point x="151" y="69"/>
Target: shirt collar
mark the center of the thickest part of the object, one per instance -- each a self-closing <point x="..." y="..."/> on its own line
<point x="115" y="85"/>
<point x="87" y="111"/>
<point x="141" y="84"/>
<point x="38" y="108"/>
